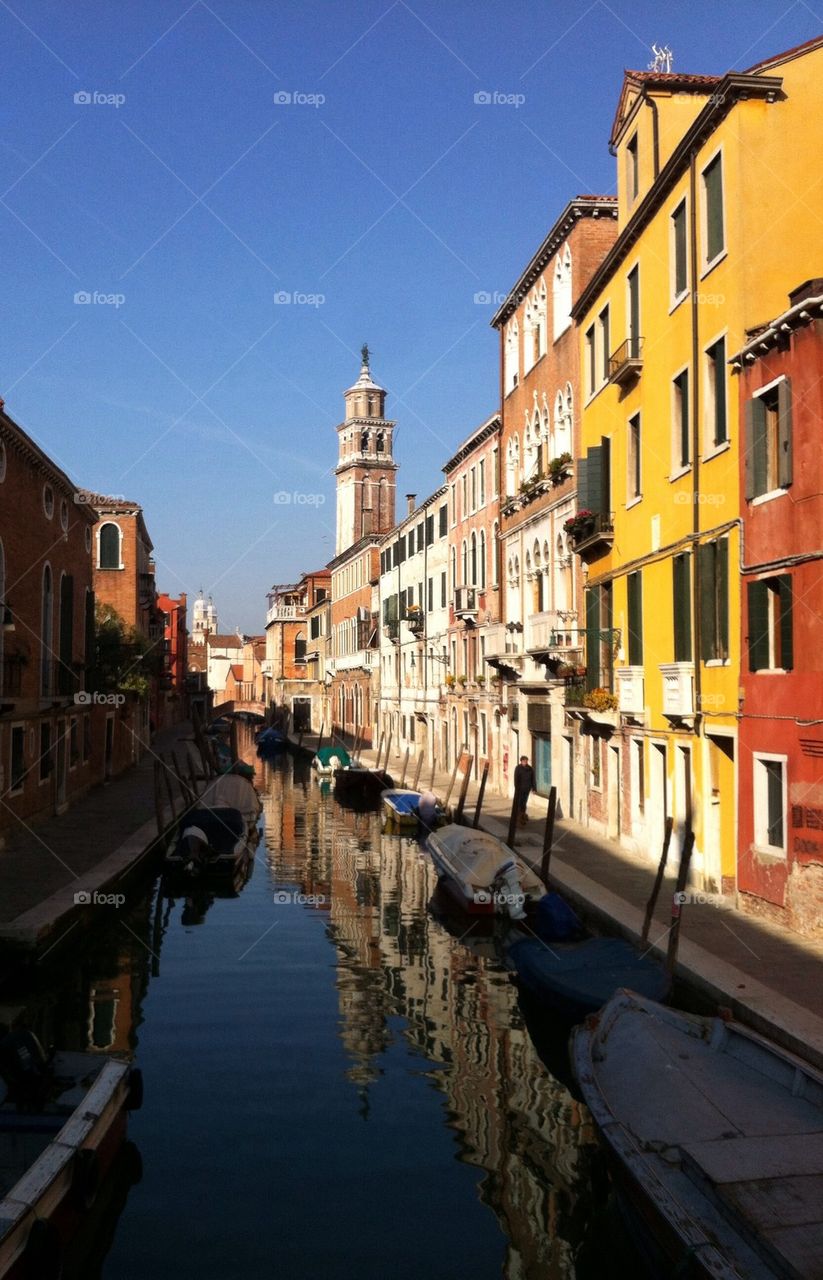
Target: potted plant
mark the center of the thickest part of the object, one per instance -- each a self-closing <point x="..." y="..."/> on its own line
<point x="580" y="524"/>
<point x="559" y="467"/>
<point x="449" y="682"/>
<point x="461" y="680"/>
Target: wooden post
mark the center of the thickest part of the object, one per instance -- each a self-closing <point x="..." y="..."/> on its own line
<point x="192" y="773"/>
<point x="188" y="798"/>
<point x="233" y="741"/>
<point x="405" y="767"/>
<point x="479" y="803"/>
<point x="380" y="750"/>
<point x="467" y="773"/>
<point x="512" y="822"/>
<point x="658" y="881"/>
<point x="320" y="739"/>
<point x="158" y="799"/>
<point x="453" y="778"/>
<point x="677" y="900"/>
<point x="434" y="771"/>
<point x="169" y="788"/>
<point x="416" y="783"/>
<point x="388" y="753"/>
<point x="548" y="834"/>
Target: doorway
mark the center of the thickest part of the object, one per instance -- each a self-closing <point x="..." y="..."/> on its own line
<point x="614" y="793"/>
<point x="658" y="796"/>
<point x="568" y="755"/>
<point x="542" y="763"/>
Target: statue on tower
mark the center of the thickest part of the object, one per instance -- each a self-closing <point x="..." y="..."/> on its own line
<point x="364" y="351"/>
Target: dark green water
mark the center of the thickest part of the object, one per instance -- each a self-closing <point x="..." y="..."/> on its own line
<point x="337" y="1089"/>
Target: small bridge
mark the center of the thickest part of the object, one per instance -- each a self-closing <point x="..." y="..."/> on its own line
<point x="226" y="708"/>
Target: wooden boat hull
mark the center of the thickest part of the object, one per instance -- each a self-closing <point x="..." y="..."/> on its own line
<point x="364" y="785"/>
<point x="61" y="1183"/>
<point x="578" y="978"/>
<point x="400" y="809"/>
<point x="225" y="852"/>
<point x="482" y="875"/>
<point x="715" y="1138"/>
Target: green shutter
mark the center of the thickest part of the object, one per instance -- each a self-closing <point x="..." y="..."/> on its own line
<point x="750" y="490"/>
<point x="722" y="597"/>
<point x="786" y="625"/>
<point x="721" y="433"/>
<point x="680" y="250"/>
<point x="784" y="433"/>
<point x="681" y="582"/>
<point x="582" y="473"/>
<point x="684" y="426"/>
<point x="592" y="637"/>
<point x="758" y="449"/>
<point x="706" y="566"/>
<point x="634" y="600"/>
<point x="634" y="310"/>
<point x="605" y="491"/>
<point x="758" y="602"/>
<point x="595" y="478"/>
<point x="713" y="180"/>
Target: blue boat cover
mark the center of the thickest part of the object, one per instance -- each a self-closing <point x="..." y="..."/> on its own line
<point x="579" y="978"/>
<point x="221" y="827"/>
<point x="556" y="921"/>
<point x="404" y="801"/>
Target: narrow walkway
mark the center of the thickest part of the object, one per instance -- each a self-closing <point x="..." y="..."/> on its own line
<point x="41" y="858"/>
<point x="770" y="978"/>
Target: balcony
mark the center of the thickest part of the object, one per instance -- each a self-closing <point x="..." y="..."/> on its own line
<point x="678" y="690"/>
<point x="466" y="602"/>
<point x="547" y="633"/>
<point x="364" y="659"/>
<point x="285" y="613"/>
<point x="592" y="533"/>
<point x="626" y="362"/>
<point x="630" y="691"/>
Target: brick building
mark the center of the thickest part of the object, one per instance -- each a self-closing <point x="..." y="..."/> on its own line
<point x="539" y="641"/>
<point x="295" y="698"/>
<point x="780" y="791"/>
<point x="172" y="705"/>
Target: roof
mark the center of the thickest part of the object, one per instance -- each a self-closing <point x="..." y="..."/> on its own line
<point x="803" y="310"/>
<point x="236" y="669"/>
<point x="14" y="434"/>
<point x="224" y="642"/>
<point x="579" y="207"/>
<point x="196" y="659"/>
<point x="796" y="51"/>
<point x="480" y="434"/>
<point x="635" y="82"/>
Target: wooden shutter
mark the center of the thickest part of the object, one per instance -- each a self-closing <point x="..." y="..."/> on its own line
<point x="784" y="582"/>
<point x="721" y="432"/>
<point x="634" y="600"/>
<point x="713" y="179"/>
<point x="722" y="596"/>
<point x="592" y="637"/>
<point x="66" y="651"/>
<point x="595" y="477"/>
<point x="682" y="609"/>
<point x="684" y="426"/>
<point x="758" y="603"/>
<point x="634" y="310"/>
<point x="784" y="433"/>
<point x="706" y="568"/>
<point x="582" y="472"/>
<point x="680" y="250"/>
<point x="756" y="451"/>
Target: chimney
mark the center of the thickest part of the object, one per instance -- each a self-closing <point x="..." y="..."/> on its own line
<point x="410" y="500"/>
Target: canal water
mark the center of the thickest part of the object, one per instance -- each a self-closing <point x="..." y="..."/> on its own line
<point x="340" y="1081"/>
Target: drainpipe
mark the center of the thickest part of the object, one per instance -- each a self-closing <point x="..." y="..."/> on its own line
<point x="698" y="637"/>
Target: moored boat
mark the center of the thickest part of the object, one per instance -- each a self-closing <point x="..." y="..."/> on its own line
<point x="574" y="979"/>
<point x="359" y="785"/>
<point x="232" y="791"/>
<point x="210" y="842"/>
<point x="715" y="1137"/>
<point x="327" y="759"/>
<point x="401" y="808"/>
<point x="483" y="875"/>
<point x="62" y="1123"/>
<point x="271" y="741"/>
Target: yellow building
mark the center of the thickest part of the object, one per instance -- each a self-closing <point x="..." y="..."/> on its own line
<point x="719" y="199"/>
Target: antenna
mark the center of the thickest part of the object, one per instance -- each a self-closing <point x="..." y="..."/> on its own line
<point x="663" y="58"/>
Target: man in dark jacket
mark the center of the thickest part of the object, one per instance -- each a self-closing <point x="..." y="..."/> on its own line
<point x="523" y="784"/>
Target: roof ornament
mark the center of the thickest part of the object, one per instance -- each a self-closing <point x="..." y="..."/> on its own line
<point x="364" y="351"/>
<point x="663" y="58"/>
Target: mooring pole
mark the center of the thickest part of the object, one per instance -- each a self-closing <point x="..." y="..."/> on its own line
<point x="677" y="900"/>
<point x="512" y="822"/>
<point x="405" y="767"/>
<point x="658" y="881"/>
<point x="416" y="783"/>
<point x="479" y="804"/>
<point x="467" y="773"/>
<point x="548" y="835"/>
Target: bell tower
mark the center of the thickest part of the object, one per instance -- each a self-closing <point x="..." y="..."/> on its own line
<point x="365" y="467"/>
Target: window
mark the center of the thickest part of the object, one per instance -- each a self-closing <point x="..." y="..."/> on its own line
<point x="108" y="549"/>
<point x="682" y="602"/>
<point x="634" y="602"/>
<point x="562" y="292"/>
<point x="430" y="529"/>
<point x="464" y="496"/>
<point x="634" y="490"/>
<point x="64" y="515"/>
<point x="512" y="357"/>
<point x="633" y="311"/>
<point x="430" y="595"/>
<point x="603" y="332"/>
<point x="717" y="432"/>
<point x="770" y="624"/>
<point x="769" y="440"/>
<point x="713" y="562"/>
<point x="495" y="472"/>
<point x="640" y="763"/>
<point x="594" y="761"/>
<point x="444" y="521"/>
<point x="453" y="500"/>
<point x="45" y="763"/>
<point x="494" y="554"/>
<point x="443" y="590"/>
<point x="679" y="258"/>
<point x="473" y="580"/>
<point x="48" y="501"/>
<point x="714" y="235"/>
<point x="473" y="474"/>
<point x="481" y="482"/>
<point x="482" y="581"/>
<point x="46" y="625"/>
<point x="681" y="436"/>
<point x="632" y="169"/>
<point x="770" y="803"/>
<point x="591" y="362"/>
<point x="18" y="757"/>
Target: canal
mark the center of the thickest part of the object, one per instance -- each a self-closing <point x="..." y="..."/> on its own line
<point x="339" y="1080"/>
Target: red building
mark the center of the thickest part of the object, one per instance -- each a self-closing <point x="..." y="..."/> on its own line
<point x="780" y="814"/>
<point x="171" y="702"/>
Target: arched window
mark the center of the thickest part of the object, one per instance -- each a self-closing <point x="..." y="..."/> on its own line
<point x="482" y="558"/>
<point x="380" y="443"/>
<point x="512" y="466"/>
<point x="512" y="357"/>
<point x="108" y="547"/>
<point x="300" y="647"/>
<point x="364" y="442"/>
<point x="495" y="554"/>
<point x="454" y="567"/>
<point x="531" y="447"/>
<point x="534" y="334"/>
<point x="46" y="633"/>
<point x="472" y="579"/>
<point x="464" y="563"/>
<point x="562" y="292"/>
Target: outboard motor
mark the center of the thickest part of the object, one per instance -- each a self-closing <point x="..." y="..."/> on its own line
<point x="507" y="885"/>
<point x="194" y="849"/>
<point x="427" y="809"/>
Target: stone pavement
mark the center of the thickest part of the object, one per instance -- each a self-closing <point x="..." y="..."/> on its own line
<point x="40" y="859"/>
<point x="770" y="978"/>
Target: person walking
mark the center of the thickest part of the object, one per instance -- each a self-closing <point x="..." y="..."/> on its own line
<point x="524" y="782"/>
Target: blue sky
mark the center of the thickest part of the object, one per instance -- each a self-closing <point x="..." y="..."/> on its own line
<point x="184" y="197"/>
